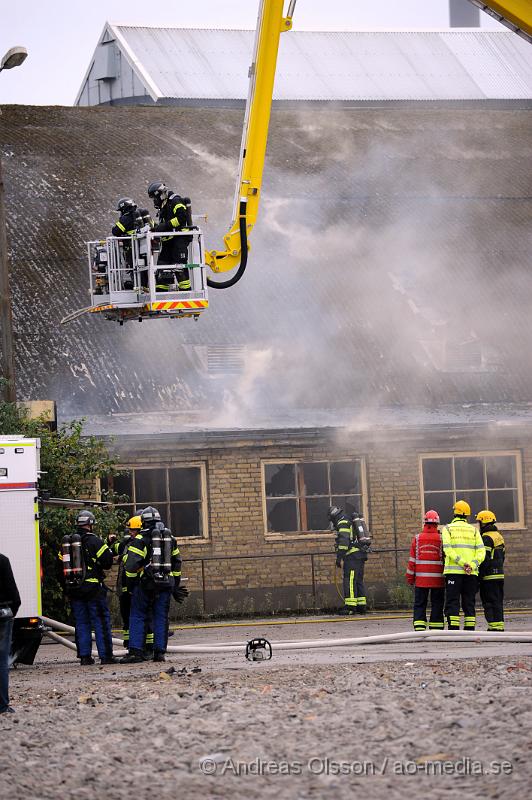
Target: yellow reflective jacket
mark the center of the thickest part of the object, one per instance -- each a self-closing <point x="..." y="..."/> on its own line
<point x="462" y="544"/>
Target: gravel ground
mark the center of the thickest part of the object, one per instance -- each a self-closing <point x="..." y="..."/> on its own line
<point x="436" y="726"/>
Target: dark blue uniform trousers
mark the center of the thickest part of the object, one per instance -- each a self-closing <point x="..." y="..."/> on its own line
<point x="149" y="607"/>
<point x="89" y="615"/>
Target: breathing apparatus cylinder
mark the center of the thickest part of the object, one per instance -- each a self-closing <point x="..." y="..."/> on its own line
<point x="156" y="552"/>
<point x="67" y="561"/>
<point x="361" y="533"/>
<point x="73" y="564"/>
<point x="77" y="558"/>
<point x="167" y="551"/>
<point x="161" y="555"/>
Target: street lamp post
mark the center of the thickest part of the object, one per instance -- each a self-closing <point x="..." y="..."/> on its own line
<point x="13" y="58"/>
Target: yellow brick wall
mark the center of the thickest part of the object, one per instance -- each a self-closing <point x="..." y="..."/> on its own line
<point x="236" y="524"/>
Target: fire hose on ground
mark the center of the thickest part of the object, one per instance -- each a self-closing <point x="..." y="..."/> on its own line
<point x="311" y="644"/>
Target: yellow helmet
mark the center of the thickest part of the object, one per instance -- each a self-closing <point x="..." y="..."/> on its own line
<point x="486" y="516"/>
<point x="135" y="523"/>
<point x="461" y="508"/>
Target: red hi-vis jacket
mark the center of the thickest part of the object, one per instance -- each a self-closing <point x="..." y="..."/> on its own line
<point x="425" y="565"/>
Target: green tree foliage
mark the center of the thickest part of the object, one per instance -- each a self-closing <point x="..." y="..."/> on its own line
<point x="70" y="463"/>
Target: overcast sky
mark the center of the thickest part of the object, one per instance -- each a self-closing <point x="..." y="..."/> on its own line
<point x="61" y="35"/>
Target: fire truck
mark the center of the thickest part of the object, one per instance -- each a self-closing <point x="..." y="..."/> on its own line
<point x="19" y="538"/>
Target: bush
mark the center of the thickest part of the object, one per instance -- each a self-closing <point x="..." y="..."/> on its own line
<point x="401" y="594"/>
<point x="71" y="462"/>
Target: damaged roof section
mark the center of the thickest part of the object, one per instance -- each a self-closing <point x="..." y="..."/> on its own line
<point x="390" y="265"/>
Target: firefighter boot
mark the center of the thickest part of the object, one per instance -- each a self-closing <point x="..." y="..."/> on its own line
<point x="110" y="660"/>
<point x="86" y="661"/>
<point x="133" y="657"/>
<point x="158" y="655"/>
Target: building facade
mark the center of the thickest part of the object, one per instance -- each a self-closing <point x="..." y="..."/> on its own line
<point x="249" y="508"/>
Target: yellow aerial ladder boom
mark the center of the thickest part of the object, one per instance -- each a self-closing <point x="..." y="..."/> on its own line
<point x="271" y="23"/>
<point x="515" y="14"/>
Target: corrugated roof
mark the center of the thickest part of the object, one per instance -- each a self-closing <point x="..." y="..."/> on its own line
<point x="388" y="240"/>
<point x="392" y="65"/>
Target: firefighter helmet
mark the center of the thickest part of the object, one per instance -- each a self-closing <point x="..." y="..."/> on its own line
<point x="158" y="191"/>
<point x="334" y="512"/>
<point x="85" y="518"/>
<point x="149" y="515"/>
<point x="125" y="204"/>
<point x="135" y="523"/>
<point x="486" y="516"/>
<point x="461" y="508"/>
<point x="431" y="518"/>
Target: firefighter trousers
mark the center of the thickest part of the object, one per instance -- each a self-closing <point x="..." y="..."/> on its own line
<point x="93" y="614"/>
<point x="421" y="599"/>
<point x="125" y="612"/>
<point x="145" y="607"/>
<point x="460" y="588"/>
<point x="492" y="598"/>
<point x="354" y="590"/>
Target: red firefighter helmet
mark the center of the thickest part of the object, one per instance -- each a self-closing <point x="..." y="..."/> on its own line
<point x="431" y="518"/>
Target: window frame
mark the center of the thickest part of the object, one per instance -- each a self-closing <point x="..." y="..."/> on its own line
<point x="519" y="524"/>
<point x="167" y="466"/>
<point x="304" y="535"/>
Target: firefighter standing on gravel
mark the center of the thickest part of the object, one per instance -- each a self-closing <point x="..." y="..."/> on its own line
<point x="88" y="597"/>
<point x="119" y="548"/>
<point x="425" y="573"/>
<point x="491" y="573"/>
<point x="350" y="556"/>
<point x="151" y="585"/>
<point x="464" y="553"/>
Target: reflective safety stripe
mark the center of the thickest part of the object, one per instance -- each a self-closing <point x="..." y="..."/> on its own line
<point x="434" y="625"/>
<point x="461" y="546"/>
<point x="422" y="561"/>
<point x="410" y="572"/>
<point x="176" y="574"/>
<point x="119" y="225"/>
<point x="102" y="549"/>
<point x="92" y="580"/>
<point x="136" y="550"/>
<point x="492" y="577"/>
<point x="428" y="575"/>
<point x="352" y="586"/>
<point x="132" y="574"/>
<point x="361" y="601"/>
<point x="420" y="625"/>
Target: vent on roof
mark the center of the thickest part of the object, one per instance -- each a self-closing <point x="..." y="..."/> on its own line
<point x="225" y="359"/>
<point x="105" y="62"/>
<point x="469" y="355"/>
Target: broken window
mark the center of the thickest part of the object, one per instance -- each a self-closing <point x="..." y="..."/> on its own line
<point x="307" y="490"/>
<point x="176" y="492"/>
<point x="482" y="480"/>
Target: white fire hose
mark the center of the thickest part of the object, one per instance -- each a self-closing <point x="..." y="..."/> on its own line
<point x="311" y="644"/>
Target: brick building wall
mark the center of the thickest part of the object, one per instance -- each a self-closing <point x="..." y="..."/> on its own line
<point x="296" y="571"/>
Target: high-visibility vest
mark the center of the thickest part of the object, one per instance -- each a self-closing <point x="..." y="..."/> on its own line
<point x="462" y="544"/>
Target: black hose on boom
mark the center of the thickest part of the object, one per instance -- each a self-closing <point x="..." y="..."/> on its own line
<point x="243" y="252"/>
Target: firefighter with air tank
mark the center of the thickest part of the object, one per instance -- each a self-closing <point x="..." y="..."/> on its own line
<point x="120" y="548"/>
<point x="83" y="558"/>
<point x="351" y="544"/>
<point x="153" y="574"/>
